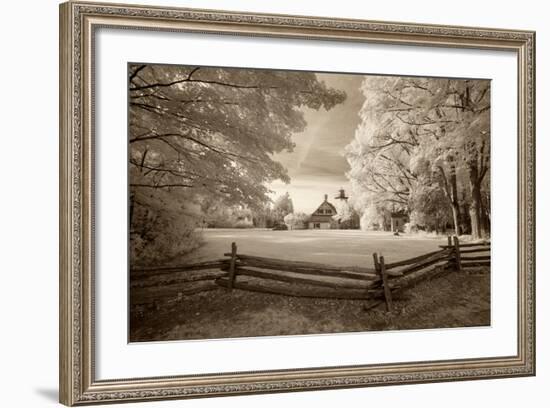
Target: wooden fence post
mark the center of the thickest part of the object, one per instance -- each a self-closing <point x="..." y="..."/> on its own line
<point x="376" y="263"/>
<point x="450" y="246"/>
<point x="457" y="253"/>
<point x="387" y="290"/>
<point x="232" y="265"/>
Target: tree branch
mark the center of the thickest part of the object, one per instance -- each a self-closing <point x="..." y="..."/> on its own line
<point x="161" y="185"/>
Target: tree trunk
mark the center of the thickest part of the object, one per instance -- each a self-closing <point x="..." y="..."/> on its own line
<point x="475" y="206"/>
<point x="456" y="213"/>
<point x="476" y="225"/>
<point x="454" y="201"/>
<point x="464" y="215"/>
<point x="477" y="168"/>
<point x="451" y="192"/>
<point x="485" y="228"/>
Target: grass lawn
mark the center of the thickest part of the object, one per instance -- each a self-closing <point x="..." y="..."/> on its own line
<point x="452" y="300"/>
<point x="334" y="247"/>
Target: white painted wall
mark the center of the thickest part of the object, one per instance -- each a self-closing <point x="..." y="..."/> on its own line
<point x="322" y="225"/>
<point x="28" y="209"/>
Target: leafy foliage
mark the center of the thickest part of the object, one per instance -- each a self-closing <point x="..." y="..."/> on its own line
<point x="296" y="220"/>
<point x="282" y="207"/>
<point x="422" y="141"/>
<point x="346" y="216"/>
<point x="204" y="135"/>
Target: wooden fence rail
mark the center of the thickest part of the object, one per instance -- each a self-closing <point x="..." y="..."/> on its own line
<point x="308" y="279"/>
<point x="305" y="267"/>
<point x="151" y="271"/>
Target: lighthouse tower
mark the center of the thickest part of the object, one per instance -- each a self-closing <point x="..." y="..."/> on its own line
<point x="342" y="207"/>
<point x="346" y="216"/>
<point x="341" y="197"/>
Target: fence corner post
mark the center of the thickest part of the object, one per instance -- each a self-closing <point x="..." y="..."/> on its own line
<point x="449" y="241"/>
<point x="457" y="253"/>
<point x="387" y="290"/>
<point x="232" y="265"/>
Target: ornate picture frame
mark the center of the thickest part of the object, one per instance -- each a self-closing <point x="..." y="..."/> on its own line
<point x="78" y="24"/>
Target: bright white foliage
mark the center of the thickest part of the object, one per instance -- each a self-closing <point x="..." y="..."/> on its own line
<point x="418" y="138"/>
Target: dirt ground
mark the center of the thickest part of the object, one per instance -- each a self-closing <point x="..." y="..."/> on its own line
<point x="454" y="299"/>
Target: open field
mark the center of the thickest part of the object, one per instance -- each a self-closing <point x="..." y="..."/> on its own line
<point x="335" y="247"/>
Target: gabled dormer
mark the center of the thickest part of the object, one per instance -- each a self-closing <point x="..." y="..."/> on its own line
<point x="325" y="208"/>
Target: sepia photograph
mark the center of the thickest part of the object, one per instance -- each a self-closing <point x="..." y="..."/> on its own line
<point x="276" y="202"/>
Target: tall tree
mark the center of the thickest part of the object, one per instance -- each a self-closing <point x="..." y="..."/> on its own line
<point x="474" y="107"/>
<point x="420" y="131"/>
<point x="200" y="134"/>
<point x="215" y="129"/>
<point x="283" y="206"/>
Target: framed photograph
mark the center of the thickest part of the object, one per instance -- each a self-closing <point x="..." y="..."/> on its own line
<point x="258" y="203"/>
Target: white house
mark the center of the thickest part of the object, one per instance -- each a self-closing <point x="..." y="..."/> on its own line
<point x="322" y="216"/>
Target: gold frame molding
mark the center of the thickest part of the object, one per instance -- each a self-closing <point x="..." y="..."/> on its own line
<point x="78" y="20"/>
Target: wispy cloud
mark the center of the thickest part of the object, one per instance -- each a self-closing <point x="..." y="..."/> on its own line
<point x="317" y="165"/>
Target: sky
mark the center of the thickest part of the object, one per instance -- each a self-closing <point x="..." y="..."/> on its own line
<point x="317" y="165"/>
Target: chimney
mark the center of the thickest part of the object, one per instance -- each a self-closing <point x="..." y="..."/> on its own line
<point x="326" y="197"/>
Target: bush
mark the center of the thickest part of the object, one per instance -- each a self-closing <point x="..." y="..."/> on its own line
<point x="296" y="220"/>
<point x="229" y="217"/>
<point x="159" y="238"/>
<point x="242" y="224"/>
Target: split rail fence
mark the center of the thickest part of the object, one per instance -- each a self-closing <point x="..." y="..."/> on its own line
<point x="376" y="285"/>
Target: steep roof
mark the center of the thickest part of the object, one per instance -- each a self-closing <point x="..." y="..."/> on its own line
<point x="325" y="204"/>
